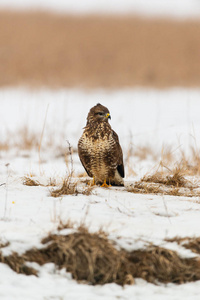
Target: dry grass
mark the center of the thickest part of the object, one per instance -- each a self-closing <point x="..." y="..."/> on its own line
<point x="144" y="152"/>
<point x="137" y="154"/>
<point x="171" y="183"/>
<point x="71" y="187"/>
<point x="189" y="243"/>
<point x="4" y="244"/>
<point x="68" y="188"/>
<point x="92" y="258"/>
<point x="40" y="49"/>
<point x="27" y="139"/>
<point x="191" y="164"/>
<point x="30" y="182"/>
<point x="4" y="146"/>
<point x="22" y="139"/>
<point x="176" y="179"/>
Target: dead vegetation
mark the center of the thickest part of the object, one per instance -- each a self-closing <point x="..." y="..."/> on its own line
<point x="21" y="139"/>
<point x="3" y="244"/>
<point x="143" y="152"/>
<point x="24" y="140"/>
<point x="191" y="164"/>
<point x="93" y="258"/>
<point x="30" y="182"/>
<point x="176" y="179"/>
<point x="97" y="51"/>
<point x="71" y="187"/>
<point x="189" y="243"/>
<point x="68" y="188"/>
<point x="168" y="182"/>
<point x="27" y="139"/>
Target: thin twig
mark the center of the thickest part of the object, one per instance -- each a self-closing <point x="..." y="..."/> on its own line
<point x="71" y="159"/>
<point x="39" y="148"/>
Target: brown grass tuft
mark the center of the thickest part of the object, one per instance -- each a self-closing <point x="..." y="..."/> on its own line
<point x="176" y="179"/>
<point x="30" y="182"/>
<point x="92" y="258"/>
<point x="27" y="180"/>
<point x="171" y="183"/>
<point x="68" y="188"/>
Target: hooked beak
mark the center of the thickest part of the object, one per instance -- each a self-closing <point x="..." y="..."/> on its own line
<point x="108" y="116"/>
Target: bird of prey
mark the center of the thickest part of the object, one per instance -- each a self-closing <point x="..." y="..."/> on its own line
<point x="99" y="150"/>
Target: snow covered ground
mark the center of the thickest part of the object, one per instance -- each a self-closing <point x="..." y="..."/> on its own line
<point x="28" y="213"/>
<point x="166" y="8"/>
<point x="159" y="118"/>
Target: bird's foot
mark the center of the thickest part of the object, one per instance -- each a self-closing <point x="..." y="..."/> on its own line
<point x="105" y="184"/>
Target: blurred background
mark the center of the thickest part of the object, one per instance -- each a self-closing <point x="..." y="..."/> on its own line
<point x="139" y="58"/>
<point x="100" y="44"/>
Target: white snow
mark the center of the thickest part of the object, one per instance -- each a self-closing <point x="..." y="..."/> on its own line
<point x="164" y="8"/>
<point x="159" y="118"/>
<point x="28" y="213"/>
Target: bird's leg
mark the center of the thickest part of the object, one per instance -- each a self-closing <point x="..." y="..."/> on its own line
<point x="92" y="183"/>
<point x="105" y="184"/>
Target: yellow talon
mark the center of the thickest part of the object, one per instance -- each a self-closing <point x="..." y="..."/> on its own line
<point x="105" y="184"/>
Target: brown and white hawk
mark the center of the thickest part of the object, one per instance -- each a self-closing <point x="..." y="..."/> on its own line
<point x="99" y="149"/>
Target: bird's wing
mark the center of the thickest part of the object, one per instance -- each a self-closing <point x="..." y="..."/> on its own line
<point x="85" y="159"/>
<point x="119" y="154"/>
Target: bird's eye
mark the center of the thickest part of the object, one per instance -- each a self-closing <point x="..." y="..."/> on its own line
<point x="100" y="114"/>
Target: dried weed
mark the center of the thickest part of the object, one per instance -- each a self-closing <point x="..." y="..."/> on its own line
<point x="30" y="182"/>
<point x="176" y="179"/>
<point x="170" y="183"/>
<point x="191" y="164"/>
<point x="81" y="51"/>
<point x="26" y="139"/>
<point x="164" y="265"/>
<point x="27" y="180"/>
<point x="68" y="188"/>
<point x="17" y="263"/>
<point x="189" y="243"/>
<point x="144" y="152"/>
<point x="92" y="258"/>
<point x="4" y="244"/>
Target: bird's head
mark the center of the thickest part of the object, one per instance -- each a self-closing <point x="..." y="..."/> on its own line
<point x="98" y="113"/>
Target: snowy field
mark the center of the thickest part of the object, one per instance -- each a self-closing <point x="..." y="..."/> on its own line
<point x="165" y="8"/>
<point x="157" y="119"/>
